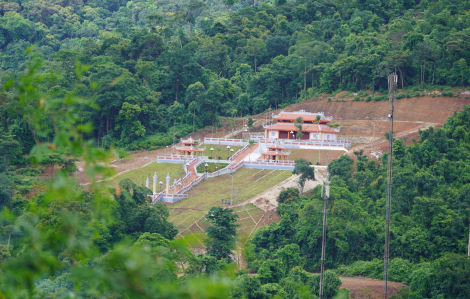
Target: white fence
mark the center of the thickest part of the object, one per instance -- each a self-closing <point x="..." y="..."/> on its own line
<point x="287" y="143"/>
<point x="279" y="165"/>
<point x="173" y="198"/>
<point x="225" y="141"/>
<point x="257" y="138"/>
<point x="178" y="159"/>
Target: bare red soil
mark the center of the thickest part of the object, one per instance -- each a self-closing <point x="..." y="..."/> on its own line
<point x="367" y="288"/>
<point x="363" y="122"/>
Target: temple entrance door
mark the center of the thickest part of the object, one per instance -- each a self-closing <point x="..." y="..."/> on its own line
<point x="283" y="135"/>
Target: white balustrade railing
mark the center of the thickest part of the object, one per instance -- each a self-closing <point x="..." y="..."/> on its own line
<point x="289" y="142"/>
<point x="225" y="141"/>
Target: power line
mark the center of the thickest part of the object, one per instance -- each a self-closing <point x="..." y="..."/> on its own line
<point x="392" y="93"/>
<point x="323" y="244"/>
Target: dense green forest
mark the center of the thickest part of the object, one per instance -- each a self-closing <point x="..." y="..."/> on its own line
<point x="430" y="216"/>
<point x="69" y="241"/>
<point x="155" y="64"/>
<point x="81" y="80"/>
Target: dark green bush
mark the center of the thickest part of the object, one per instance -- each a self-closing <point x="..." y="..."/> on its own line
<point x="23" y="190"/>
<point x="29" y="171"/>
<point x="399" y="269"/>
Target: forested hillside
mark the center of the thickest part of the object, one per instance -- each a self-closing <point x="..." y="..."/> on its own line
<point x="156" y="64"/>
<point x="81" y="80"/>
<point x="430" y="216"/>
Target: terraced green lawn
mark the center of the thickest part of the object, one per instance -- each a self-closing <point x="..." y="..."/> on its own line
<point x="222" y="152"/>
<point x="246" y="184"/>
<point x="184" y="214"/>
<point x="140" y="175"/>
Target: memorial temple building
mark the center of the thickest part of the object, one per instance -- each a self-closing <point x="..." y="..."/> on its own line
<point x="314" y="126"/>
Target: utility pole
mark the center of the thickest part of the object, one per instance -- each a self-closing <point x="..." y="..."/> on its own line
<point x="231" y="195"/>
<point x="323" y="243"/>
<point x="392" y="93"/>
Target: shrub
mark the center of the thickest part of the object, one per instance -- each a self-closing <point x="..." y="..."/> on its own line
<point x="380" y="98"/>
<point x="151" y="142"/>
<point x="368" y="99"/>
<point x="107" y="141"/>
<point x="356" y="98"/>
<point x="329" y="99"/>
<point x="399" y="269"/>
<point x="331" y="286"/>
<point x="23" y="190"/>
<point x="288" y="195"/>
<point x="362" y="93"/>
<point x="29" y="171"/>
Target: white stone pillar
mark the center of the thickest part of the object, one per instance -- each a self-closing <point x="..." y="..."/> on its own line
<point x="155" y="179"/>
<point x="168" y="178"/>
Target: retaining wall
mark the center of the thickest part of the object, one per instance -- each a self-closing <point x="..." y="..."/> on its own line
<point x="269" y="165"/>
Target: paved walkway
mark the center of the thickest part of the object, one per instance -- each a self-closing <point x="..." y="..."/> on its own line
<point x="242" y="156"/>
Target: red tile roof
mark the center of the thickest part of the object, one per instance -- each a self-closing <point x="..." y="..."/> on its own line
<point x="274" y="154"/>
<point x="275" y="147"/>
<point x="189" y="149"/>
<point x="294" y="116"/>
<point x="305" y="128"/>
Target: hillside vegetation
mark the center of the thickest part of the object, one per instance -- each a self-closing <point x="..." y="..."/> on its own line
<point x="158" y="64"/>
<point x="430" y="216"/>
<point x="83" y="79"/>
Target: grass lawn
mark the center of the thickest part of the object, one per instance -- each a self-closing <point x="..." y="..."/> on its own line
<point x="222" y="152"/>
<point x="342" y="294"/>
<point x="211" y="167"/>
<point x="140" y="175"/>
<point x="312" y="155"/>
<point x="246" y="184"/>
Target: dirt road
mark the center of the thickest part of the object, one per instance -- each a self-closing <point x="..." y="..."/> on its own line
<point x="367" y="288"/>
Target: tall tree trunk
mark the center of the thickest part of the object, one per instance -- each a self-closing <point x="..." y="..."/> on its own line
<point x="189" y="31"/>
<point x="253" y="3"/>
<point x="468" y="250"/>
<point x="8" y="244"/>
<point x="177" y="89"/>
<point x="5" y="163"/>
<point x="255" y="64"/>
<point x="194" y="117"/>
<point x="401" y="77"/>
<point x="305" y="77"/>
<point x="282" y="94"/>
<point x="228" y="9"/>
<point x="424" y="73"/>
<point x="111" y="125"/>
